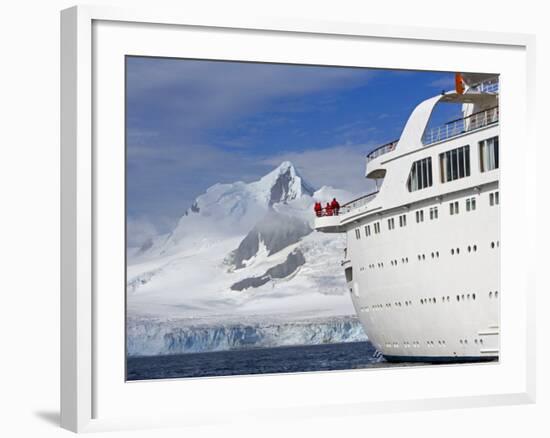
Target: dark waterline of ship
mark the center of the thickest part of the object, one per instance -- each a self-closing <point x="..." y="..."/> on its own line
<point x="326" y="357"/>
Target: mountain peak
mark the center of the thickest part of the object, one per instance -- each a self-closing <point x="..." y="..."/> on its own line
<point x="285" y="165"/>
<point x="285" y="184"/>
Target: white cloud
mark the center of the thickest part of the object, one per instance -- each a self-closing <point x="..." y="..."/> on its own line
<point x="139" y="230"/>
<point x="177" y="147"/>
<point x="203" y="94"/>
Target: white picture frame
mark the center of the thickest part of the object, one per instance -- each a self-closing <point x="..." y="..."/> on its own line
<point x="89" y="358"/>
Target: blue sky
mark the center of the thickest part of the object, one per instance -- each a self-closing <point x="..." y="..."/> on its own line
<point x="191" y="124"/>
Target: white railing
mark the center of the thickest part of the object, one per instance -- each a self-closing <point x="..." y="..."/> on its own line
<point x="381" y="150"/>
<point x="461" y="126"/>
<point x="487" y="87"/>
<point x="346" y="208"/>
<point x="356" y="203"/>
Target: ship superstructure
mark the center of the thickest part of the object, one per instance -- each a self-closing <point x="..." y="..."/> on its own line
<point x="422" y="257"/>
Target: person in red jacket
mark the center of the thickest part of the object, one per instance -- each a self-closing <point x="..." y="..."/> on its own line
<point x="335" y="206"/>
<point x="328" y="210"/>
<point x="318" y="209"/>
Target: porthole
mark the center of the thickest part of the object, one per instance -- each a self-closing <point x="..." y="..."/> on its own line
<point x="437" y="254"/>
<point x="469" y="248"/>
<point x="496" y="294"/>
<point x="458" y="297"/>
<point x="475" y="248"/>
<point x="423" y="256"/>
<point x="473" y="296"/>
<point x="468" y="296"/>
<point x="452" y="251"/>
<point x="462" y="297"/>
<point x="432" y="255"/>
<point x="490" y="294"/>
<point x="458" y="250"/>
<point x="492" y="244"/>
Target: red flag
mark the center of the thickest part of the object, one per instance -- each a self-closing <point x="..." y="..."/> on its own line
<point x="459" y="83"/>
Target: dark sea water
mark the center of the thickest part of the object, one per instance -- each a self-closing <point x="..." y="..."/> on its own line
<point x="352" y="355"/>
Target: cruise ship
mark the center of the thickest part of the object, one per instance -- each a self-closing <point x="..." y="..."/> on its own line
<point x="422" y="257"/>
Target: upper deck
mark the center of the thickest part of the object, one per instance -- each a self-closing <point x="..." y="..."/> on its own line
<point x="461" y="126"/>
<point x="400" y="184"/>
<point x="482" y="100"/>
<point x="449" y="130"/>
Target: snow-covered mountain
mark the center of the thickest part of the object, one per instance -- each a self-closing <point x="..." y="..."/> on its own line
<point x="228" y="210"/>
<point x="242" y="250"/>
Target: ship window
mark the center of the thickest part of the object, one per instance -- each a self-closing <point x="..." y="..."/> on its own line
<point x="391" y="224"/>
<point x="453" y="207"/>
<point x="488" y="154"/>
<point x="470" y="204"/>
<point x="455" y="164"/>
<point x="357" y="233"/>
<point x="403" y="220"/>
<point x="349" y="274"/>
<point x="420" y="175"/>
<point x="493" y="199"/>
<point x="367" y="230"/>
<point x="377" y="227"/>
<point x="433" y="213"/>
<point x="420" y="216"/>
<point x="496" y="198"/>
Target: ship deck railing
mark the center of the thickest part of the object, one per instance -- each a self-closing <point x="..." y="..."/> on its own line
<point x="347" y="207"/>
<point x="381" y="150"/>
<point x="450" y="129"/>
<point x="358" y="202"/>
<point x="487" y="87"/>
<point x="461" y="126"/>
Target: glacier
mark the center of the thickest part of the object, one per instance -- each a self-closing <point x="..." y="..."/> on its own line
<point x="151" y="337"/>
<point x="247" y="250"/>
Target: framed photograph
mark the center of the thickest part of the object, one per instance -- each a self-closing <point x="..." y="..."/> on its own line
<point x="268" y="218"/>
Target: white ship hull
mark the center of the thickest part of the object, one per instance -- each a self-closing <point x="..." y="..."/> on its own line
<point x="425" y="293"/>
<point x="428" y="290"/>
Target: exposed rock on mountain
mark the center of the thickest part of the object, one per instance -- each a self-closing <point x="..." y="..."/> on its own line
<point x="293" y="261"/>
